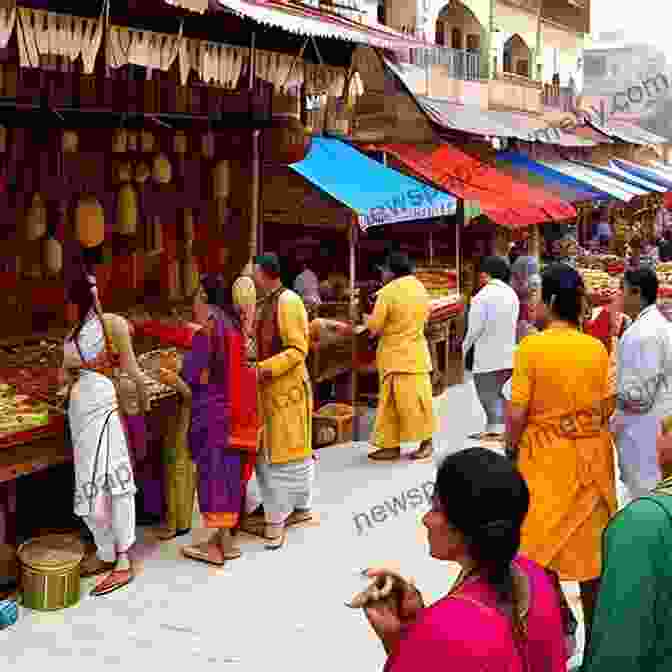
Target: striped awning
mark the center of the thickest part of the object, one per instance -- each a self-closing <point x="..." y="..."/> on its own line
<point x="303" y="19"/>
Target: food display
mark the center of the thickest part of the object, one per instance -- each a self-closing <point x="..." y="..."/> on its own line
<point x="600" y="286"/>
<point x="151" y="363"/>
<point x="609" y="263"/>
<point x="445" y="307"/>
<point x="19" y="413"/>
<point x="439" y="282"/>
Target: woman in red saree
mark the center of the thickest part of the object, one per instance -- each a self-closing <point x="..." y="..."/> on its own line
<point x="502" y="613"/>
<point x="224" y="424"/>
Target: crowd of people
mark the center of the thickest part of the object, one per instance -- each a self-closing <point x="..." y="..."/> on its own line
<point x="518" y="524"/>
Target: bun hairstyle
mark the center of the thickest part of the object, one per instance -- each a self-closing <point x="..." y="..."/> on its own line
<point x="485" y="497"/>
<point x="81" y="289"/>
<point x="563" y="290"/>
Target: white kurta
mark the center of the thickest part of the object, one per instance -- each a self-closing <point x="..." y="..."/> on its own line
<point x="493" y="317"/>
<point x="644" y="366"/>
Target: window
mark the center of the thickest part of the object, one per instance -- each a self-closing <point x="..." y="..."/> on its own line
<point x="523" y="68"/>
<point x="440" y="34"/>
<point x="381" y="12"/>
<point x="456" y="38"/>
<point x="474" y="43"/>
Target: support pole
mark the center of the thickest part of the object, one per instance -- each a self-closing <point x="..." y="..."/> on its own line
<point x="256" y="197"/>
<point x="354" y="318"/>
<point x="253" y="58"/>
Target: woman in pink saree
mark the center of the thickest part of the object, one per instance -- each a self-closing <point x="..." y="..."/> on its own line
<point x="502" y="614"/>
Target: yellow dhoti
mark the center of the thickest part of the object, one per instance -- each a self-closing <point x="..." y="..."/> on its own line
<point x="405" y="410"/>
<point x="180" y="471"/>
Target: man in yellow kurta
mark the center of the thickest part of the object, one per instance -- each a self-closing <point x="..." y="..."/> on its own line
<point x="285" y="468"/>
<point x="405" y="410"/>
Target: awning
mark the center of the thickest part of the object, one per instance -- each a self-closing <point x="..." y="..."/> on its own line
<point x="305" y="20"/>
<point x="504" y="200"/>
<point x="657" y="176"/>
<point x="494" y="123"/>
<point x="623" y="176"/>
<point x="612" y="186"/>
<point x="567" y="188"/>
<point x="627" y="132"/>
<point x="376" y="193"/>
<point x="198" y="6"/>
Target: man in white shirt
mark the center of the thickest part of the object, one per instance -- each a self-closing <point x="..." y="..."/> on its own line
<point x="644" y="393"/>
<point x="307" y="285"/>
<point x="492" y="320"/>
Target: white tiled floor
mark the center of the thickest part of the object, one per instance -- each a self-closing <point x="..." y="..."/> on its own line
<point x="267" y="610"/>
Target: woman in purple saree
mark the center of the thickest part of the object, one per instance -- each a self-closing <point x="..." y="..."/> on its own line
<point x="213" y="370"/>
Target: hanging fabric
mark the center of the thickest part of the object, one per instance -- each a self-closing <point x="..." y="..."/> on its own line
<point x="42" y="33"/>
<point x="7" y="22"/>
<point x="142" y="47"/>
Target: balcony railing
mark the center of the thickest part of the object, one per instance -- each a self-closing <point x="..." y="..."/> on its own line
<point x="348" y="9"/>
<point x="561" y="98"/>
<point x="461" y="64"/>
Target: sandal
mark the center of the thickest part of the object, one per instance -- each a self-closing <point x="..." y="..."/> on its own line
<point x="299" y="516"/>
<point x="254" y="526"/>
<point x="204" y="553"/>
<point x="116" y="579"/>
<point x="276" y="542"/>
<point x="424" y="452"/>
<point x="94" y="566"/>
<point x="167" y="533"/>
<point x="385" y="455"/>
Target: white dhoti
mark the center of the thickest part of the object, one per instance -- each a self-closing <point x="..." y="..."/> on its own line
<point x="637" y="458"/>
<point x="285" y="488"/>
<point x="104" y="483"/>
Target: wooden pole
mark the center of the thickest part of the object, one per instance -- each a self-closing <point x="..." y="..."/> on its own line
<point x="431" y="248"/>
<point x="354" y="318"/>
<point x="458" y="256"/>
<point x="256" y="189"/>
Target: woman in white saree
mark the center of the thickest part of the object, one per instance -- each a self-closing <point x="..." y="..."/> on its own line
<point x="104" y="484"/>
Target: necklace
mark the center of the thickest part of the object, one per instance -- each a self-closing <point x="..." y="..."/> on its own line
<point x="462" y="579"/>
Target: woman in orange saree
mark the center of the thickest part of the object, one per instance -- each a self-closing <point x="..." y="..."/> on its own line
<point x="558" y="433"/>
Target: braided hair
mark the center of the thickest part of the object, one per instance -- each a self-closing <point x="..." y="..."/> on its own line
<point x="486" y="498"/>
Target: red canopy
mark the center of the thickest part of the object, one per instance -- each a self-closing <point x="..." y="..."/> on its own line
<point x="505" y="201"/>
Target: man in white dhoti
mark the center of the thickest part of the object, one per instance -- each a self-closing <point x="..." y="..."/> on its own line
<point x="644" y="366"/>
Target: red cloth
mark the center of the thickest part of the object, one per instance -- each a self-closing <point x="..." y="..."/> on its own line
<point x="504" y="200"/>
<point x="178" y="337"/>
<point x="600" y="328"/>
<point x="243" y="395"/>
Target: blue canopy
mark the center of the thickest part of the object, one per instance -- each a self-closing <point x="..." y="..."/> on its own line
<point x="650" y="174"/>
<point x="555" y="180"/>
<point x="623" y="176"/>
<point x="376" y="193"/>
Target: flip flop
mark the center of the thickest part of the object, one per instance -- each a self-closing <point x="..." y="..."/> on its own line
<point x="477" y="437"/>
<point x="100" y="590"/>
<point x="276" y="543"/>
<point x="296" y="517"/>
<point x="385" y="455"/>
<point x="200" y="555"/>
<point x="165" y="534"/>
<point x="95" y="567"/>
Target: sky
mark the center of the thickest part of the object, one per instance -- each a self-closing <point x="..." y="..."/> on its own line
<point x="645" y="21"/>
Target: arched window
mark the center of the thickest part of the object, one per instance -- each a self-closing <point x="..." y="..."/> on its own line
<point x="474" y="43"/>
<point x="381" y="12"/>
<point x="456" y="38"/>
<point x="440" y="33"/>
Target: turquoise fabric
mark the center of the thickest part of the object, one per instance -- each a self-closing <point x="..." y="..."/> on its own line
<point x="9" y="613"/>
<point x="632" y="629"/>
<point x="376" y="193"/>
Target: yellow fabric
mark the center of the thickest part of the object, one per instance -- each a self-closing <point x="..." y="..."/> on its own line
<point x="399" y="317"/>
<point x="180" y="471"/>
<point x="566" y="453"/>
<point x="287" y="401"/>
<point x="244" y="292"/>
<point x="405" y="410"/>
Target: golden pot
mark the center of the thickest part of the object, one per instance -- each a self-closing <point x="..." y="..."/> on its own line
<point x="50" y="572"/>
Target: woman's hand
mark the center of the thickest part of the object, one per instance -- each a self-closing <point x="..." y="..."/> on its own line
<point x="388" y="616"/>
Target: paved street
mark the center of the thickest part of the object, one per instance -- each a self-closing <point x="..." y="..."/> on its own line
<point x="268" y="610"/>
